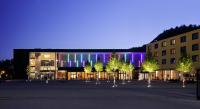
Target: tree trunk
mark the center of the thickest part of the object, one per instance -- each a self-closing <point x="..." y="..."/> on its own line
<point x="87" y="79"/>
<point x="123" y="81"/>
<point x="165" y="76"/>
<point x="183" y="82"/>
<point x="149" y="80"/>
<point x="129" y="77"/>
<point x="97" y="80"/>
<point x="108" y="78"/>
<point x="47" y="81"/>
<point x="114" y="81"/>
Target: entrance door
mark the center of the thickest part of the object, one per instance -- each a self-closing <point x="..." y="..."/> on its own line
<point x="73" y="75"/>
<point x="61" y="75"/>
<point x="122" y="76"/>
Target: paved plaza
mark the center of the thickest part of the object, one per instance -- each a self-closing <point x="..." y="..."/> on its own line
<point x="79" y="95"/>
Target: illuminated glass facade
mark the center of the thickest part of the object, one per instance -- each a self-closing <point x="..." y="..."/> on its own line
<point x="79" y="59"/>
<point x="69" y="64"/>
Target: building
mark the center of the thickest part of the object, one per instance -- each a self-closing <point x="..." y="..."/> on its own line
<point x="69" y="63"/>
<point x="168" y="50"/>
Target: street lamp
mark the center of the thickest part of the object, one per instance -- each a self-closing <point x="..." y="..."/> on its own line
<point x="48" y="71"/>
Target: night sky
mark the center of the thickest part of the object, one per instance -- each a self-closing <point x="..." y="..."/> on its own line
<point x="89" y="23"/>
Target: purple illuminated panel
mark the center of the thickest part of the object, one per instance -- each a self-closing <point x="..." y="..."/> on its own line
<point x="132" y="57"/>
<point x="74" y="59"/>
<point x="70" y="63"/>
<point x="104" y="58"/>
<point x="83" y="63"/>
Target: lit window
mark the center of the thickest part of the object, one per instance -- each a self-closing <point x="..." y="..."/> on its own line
<point x="173" y="51"/>
<point x="32" y="62"/>
<point x="46" y="55"/>
<point x="173" y="42"/>
<point x="156" y="54"/>
<point x="32" y="55"/>
<point x="164" y="44"/>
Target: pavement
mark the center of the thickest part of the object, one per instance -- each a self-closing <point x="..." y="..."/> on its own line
<point x="21" y="94"/>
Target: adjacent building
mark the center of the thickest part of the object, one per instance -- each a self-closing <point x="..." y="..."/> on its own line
<point x="68" y="64"/>
<point x="168" y="50"/>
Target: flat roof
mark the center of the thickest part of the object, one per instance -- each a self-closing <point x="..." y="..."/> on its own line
<point x="78" y="50"/>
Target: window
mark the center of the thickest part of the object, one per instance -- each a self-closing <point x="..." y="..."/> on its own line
<point x="156" y="46"/>
<point x="156" y="54"/>
<point x="47" y="63"/>
<point x="195" y="58"/>
<point x="32" y="62"/>
<point x="32" y="55"/>
<point x="164" y="44"/>
<point x="195" y="36"/>
<point x="164" y="53"/>
<point x="173" y="51"/>
<point x="173" y="42"/>
<point x="164" y="61"/>
<point x="195" y="47"/>
<point x="173" y="61"/>
<point x="183" y="50"/>
<point x="183" y="39"/>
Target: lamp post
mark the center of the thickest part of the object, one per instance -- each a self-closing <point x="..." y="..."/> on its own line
<point x="48" y="70"/>
<point x="47" y="77"/>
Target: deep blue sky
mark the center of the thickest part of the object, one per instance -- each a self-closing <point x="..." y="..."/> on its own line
<point x="89" y="23"/>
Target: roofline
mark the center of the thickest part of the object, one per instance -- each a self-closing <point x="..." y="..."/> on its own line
<point x="78" y="50"/>
<point x="171" y="36"/>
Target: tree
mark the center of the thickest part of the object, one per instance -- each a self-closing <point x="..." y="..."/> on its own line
<point x="108" y="70"/>
<point x="130" y="69"/>
<point x="98" y="67"/>
<point x="150" y="65"/>
<point x="114" y="64"/>
<point x="184" y="66"/>
<point x="1" y="73"/>
<point x="7" y="67"/>
<point x="123" y="68"/>
<point x="87" y="70"/>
